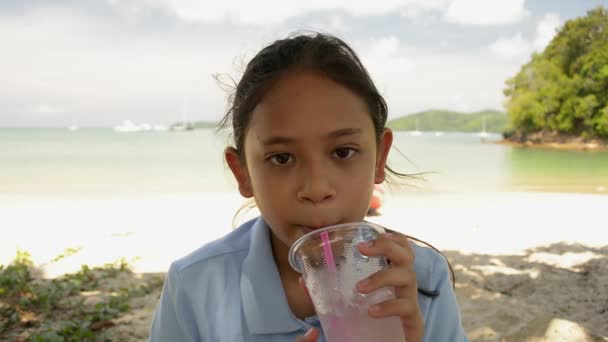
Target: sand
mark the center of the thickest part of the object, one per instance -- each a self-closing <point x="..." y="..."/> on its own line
<point x="529" y="266"/>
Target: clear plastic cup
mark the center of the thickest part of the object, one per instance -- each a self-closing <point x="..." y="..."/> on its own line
<point x="331" y="266"/>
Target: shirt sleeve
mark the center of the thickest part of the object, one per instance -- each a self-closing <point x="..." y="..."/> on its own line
<point x="168" y="323"/>
<point x="443" y="322"/>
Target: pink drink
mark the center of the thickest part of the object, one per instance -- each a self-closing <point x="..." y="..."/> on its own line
<point x="351" y="323"/>
<point x="362" y="328"/>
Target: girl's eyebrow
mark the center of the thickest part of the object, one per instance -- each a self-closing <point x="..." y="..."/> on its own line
<point x="344" y="132"/>
<point x="281" y="140"/>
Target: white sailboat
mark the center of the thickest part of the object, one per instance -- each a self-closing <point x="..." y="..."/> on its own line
<point x="185" y="124"/>
<point x="73" y="127"/>
<point x="127" y="127"/>
<point x="417" y="132"/>
<point x="483" y="134"/>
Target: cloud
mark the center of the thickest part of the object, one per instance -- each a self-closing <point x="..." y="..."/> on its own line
<point x="265" y="12"/>
<point x="514" y="48"/>
<point x="465" y="12"/>
<point x="125" y="59"/>
<point x="517" y="48"/>
<point x="45" y="110"/>
<point x="385" y="55"/>
<point x="109" y="70"/>
<point x="485" y="12"/>
<point x="546" y="30"/>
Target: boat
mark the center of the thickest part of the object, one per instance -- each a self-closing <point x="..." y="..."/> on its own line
<point x="483" y="134"/>
<point x="417" y="132"/>
<point x="127" y="127"/>
<point x="185" y="124"/>
<point x="73" y="127"/>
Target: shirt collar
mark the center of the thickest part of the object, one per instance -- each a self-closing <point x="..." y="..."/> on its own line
<point x="264" y="302"/>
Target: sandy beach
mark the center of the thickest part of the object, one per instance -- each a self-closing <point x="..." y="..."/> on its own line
<point x="529" y="266"/>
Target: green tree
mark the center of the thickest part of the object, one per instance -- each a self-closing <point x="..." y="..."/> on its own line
<point x="565" y="88"/>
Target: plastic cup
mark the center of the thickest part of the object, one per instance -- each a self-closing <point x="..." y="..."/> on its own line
<point x="331" y="266"/>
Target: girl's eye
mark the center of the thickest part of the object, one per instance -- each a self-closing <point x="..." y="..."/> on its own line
<point x="344" y="152"/>
<point x="281" y="159"/>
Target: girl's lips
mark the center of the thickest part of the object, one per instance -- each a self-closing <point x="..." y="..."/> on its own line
<point x="309" y="229"/>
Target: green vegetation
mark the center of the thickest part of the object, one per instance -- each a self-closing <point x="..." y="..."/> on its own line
<point x="564" y="89"/>
<point x="448" y="121"/>
<point x="201" y="124"/>
<point x="75" y="307"/>
<point x="192" y="125"/>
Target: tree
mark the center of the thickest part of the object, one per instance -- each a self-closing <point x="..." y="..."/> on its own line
<point x="564" y="89"/>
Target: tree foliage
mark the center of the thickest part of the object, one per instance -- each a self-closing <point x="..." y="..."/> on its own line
<point x="564" y="89"/>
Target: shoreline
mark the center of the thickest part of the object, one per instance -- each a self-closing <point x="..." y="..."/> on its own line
<point x="563" y="146"/>
<point x="553" y="140"/>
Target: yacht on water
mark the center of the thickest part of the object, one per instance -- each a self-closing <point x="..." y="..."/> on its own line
<point x="483" y="134"/>
<point x="417" y="132"/>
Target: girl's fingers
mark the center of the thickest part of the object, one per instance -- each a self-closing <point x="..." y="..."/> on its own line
<point x="401" y="307"/>
<point x="394" y="247"/>
<point x="311" y="336"/>
<point x="392" y="277"/>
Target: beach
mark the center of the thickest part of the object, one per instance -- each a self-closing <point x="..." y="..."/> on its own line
<point x="529" y="266"/>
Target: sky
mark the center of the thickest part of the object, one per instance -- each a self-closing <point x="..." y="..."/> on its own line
<point x="96" y="63"/>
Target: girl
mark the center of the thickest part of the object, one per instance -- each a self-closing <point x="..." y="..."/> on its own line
<point x="310" y="142"/>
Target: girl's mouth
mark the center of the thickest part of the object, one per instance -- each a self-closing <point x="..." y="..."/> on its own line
<point x="309" y="229"/>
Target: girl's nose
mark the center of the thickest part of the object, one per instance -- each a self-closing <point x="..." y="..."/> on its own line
<point x="316" y="186"/>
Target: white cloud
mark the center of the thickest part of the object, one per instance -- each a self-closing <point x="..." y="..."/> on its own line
<point x="546" y="30"/>
<point x="459" y="81"/>
<point x="519" y="49"/>
<point x="103" y="68"/>
<point x="417" y="8"/>
<point x="385" y="55"/>
<point x="46" y="110"/>
<point x="336" y="24"/>
<point x="99" y="69"/>
<point x="485" y="12"/>
<point x="514" y="48"/>
<point x="265" y="12"/>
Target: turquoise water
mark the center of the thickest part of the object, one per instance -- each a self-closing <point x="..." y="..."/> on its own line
<point x="103" y="162"/>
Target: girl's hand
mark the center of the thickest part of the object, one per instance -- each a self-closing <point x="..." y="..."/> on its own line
<point x="311" y="336"/>
<point x="400" y="275"/>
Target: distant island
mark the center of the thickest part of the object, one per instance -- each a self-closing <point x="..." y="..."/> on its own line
<point x="490" y="121"/>
<point x="188" y="126"/>
<point x="560" y="97"/>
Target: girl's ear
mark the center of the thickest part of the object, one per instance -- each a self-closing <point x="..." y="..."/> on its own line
<point x="239" y="170"/>
<point x="384" y="146"/>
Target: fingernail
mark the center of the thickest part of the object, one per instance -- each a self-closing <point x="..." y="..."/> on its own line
<point x="374" y="308"/>
<point x="366" y="244"/>
<point x="388" y="235"/>
<point x="364" y="283"/>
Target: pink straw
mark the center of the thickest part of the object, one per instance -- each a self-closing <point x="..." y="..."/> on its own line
<point x="329" y="254"/>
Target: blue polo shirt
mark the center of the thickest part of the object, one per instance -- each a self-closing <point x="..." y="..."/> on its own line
<point x="230" y="291"/>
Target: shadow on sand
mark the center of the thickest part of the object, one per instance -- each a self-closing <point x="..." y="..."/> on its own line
<point x="552" y="293"/>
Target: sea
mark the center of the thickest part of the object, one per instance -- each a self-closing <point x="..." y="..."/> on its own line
<point x="102" y="162"/>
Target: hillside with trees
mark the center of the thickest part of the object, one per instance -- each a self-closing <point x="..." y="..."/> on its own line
<point x="450" y="121"/>
<point x="561" y="94"/>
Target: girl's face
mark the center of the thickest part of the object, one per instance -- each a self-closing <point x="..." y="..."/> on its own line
<point x="311" y="156"/>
